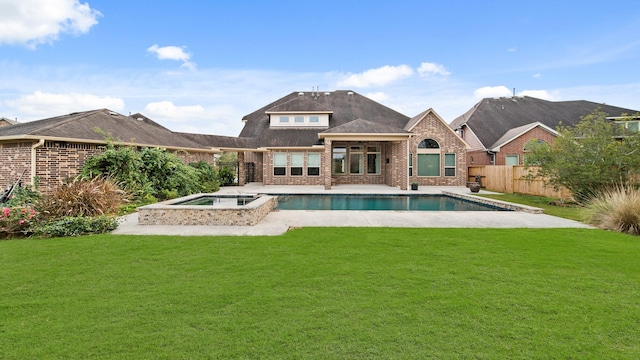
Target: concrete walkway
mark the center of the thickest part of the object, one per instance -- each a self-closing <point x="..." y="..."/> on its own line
<point x="279" y="221"/>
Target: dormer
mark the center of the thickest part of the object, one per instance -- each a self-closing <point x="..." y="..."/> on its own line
<point x="299" y="112"/>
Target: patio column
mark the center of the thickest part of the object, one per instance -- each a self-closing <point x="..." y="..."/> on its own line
<point x="326" y="164"/>
<point x="241" y="169"/>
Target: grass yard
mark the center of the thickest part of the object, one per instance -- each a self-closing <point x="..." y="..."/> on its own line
<point x="324" y="293"/>
<point x="571" y="212"/>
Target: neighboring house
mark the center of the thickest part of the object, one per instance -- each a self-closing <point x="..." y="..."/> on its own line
<point x="498" y="130"/>
<point x="341" y="137"/>
<point x="7" y="122"/>
<point x="55" y="149"/>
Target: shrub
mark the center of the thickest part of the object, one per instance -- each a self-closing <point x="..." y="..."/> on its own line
<point x="226" y="175"/>
<point x="82" y="197"/>
<point x="16" y="222"/>
<point x="207" y="176"/>
<point x="24" y="196"/>
<point x="616" y="209"/>
<point x="75" y="226"/>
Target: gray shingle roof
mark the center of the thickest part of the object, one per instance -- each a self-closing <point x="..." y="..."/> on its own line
<point x="219" y="141"/>
<point x="82" y="126"/>
<point x="345" y="105"/>
<point x="491" y="118"/>
<point x="362" y="126"/>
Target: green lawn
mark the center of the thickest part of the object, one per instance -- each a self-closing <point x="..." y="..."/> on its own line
<point x="324" y="293"/>
<point x="571" y="212"/>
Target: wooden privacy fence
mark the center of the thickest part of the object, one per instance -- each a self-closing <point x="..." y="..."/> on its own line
<point x="511" y="179"/>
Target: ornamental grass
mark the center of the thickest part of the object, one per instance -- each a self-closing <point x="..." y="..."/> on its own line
<point x="616" y="209"/>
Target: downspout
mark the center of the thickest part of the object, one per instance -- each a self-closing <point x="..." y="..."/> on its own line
<point x="33" y="159"/>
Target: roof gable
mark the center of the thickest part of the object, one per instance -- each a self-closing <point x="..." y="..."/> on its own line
<point x="345" y="105"/>
<point x="515" y="133"/>
<point x="491" y="118"/>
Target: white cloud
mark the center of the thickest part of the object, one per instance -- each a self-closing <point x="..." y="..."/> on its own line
<point x="540" y="94"/>
<point x="376" y="77"/>
<point x="427" y="69"/>
<point x="377" y="96"/>
<point x="167" y="110"/>
<point x="492" y="91"/>
<point x="537" y="76"/>
<point x="512" y="49"/>
<point x="49" y="104"/>
<point x="34" y="22"/>
<point x="173" y="53"/>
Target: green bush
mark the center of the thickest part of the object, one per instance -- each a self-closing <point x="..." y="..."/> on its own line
<point x="207" y="177"/>
<point x="75" y="226"/>
<point x="616" y="209"/>
<point x="226" y="175"/>
<point x="151" y="171"/>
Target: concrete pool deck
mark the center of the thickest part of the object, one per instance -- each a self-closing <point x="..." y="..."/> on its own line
<point x="278" y="222"/>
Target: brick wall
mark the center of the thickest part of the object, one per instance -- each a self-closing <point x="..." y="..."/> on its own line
<point x="270" y="179"/>
<point x="57" y="162"/>
<point x="14" y="159"/>
<point x="516" y="147"/>
<point x="431" y="127"/>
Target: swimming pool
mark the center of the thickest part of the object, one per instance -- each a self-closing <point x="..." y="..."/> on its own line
<point x="380" y="202"/>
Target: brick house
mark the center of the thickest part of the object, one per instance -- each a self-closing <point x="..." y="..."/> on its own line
<point x="304" y="138"/>
<point x="55" y="149"/>
<point x="499" y="129"/>
<point x="341" y="137"/>
<point x="7" y="122"/>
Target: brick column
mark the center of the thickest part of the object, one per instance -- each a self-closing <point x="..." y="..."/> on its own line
<point x="326" y="164"/>
<point x="241" y="169"/>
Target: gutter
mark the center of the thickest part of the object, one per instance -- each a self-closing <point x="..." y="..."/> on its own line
<point x="33" y="159"/>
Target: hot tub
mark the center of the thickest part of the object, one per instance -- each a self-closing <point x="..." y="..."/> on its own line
<point x="209" y="209"/>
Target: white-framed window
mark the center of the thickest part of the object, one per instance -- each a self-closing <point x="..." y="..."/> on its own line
<point x="356" y="157"/>
<point x="313" y="164"/>
<point x="297" y="163"/>
<point x="449" y="164"/>
<point x="428" y="158"/>
<point x="339" y="165"/>
<point x="298" y="119"/>
<point x="373" y="160"/>
<point x="284" y="119"/>
<point x="410" y="164"/>
<point x="280" y="164"/>
<point x="511" y="160"/>
<point x="314" y="119"/>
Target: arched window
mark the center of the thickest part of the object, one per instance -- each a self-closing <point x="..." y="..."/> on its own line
<point x="428" y="158"/>
<point x="428" y="144"/>
<point x="533" y="144"/>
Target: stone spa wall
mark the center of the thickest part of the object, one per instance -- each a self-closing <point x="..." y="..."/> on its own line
<point x="165" y="213"/>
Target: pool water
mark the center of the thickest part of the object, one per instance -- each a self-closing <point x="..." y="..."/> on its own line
<point x="380" y="202"/>
<point x="219" y="200"/>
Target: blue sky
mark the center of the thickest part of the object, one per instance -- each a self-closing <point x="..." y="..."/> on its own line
<point x="200" y="66"/>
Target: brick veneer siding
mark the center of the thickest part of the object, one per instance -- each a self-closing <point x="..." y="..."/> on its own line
<point x="14" y="159"/>
<point x="57" y="162"/>
<point x="516" y="146"/>
<point x="193" y="157"/>
<point x="270" y="179"/>
<point x="479" y="157"/>
<point x="432" y="128"/>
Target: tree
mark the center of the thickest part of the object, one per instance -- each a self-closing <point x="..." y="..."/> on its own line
<point x="589" y="157"/>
